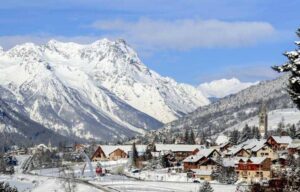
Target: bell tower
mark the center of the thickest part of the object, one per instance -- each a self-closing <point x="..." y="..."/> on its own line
<point x="263" y="120"/>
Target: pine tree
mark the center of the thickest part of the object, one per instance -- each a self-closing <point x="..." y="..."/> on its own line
<point x="246" y="134"/>
<point x="165" y="161"/>
<point x="135" y="155"/>
<point x="292" y="131"/>
<point x="192" y="138"/>
<point x="202" y="138"/>
<point x="292" y="66"/>
<point x="219" y="173"/>
<point x="5" y="187"/>
<point x="2" y="164"/>
<point x="256" y="187"/>
<point x="291" y="161"/>
<point x="205" y="187"/>
<point x="234" y="137"/>
<point x="186" y="136"/>
<point x="256" y="133"/>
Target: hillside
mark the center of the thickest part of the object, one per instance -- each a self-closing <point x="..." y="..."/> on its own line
<point x="232" y="111"/>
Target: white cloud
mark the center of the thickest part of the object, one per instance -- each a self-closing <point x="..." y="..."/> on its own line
<point x="187" y="34"/>
<point x="245" y="72"/>
<point x="223" y="87"/>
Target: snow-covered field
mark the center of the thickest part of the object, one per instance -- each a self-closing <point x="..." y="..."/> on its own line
<point x="26" y="183"/>
<point x="150" y="186"/>
<point x="157" y="181"/>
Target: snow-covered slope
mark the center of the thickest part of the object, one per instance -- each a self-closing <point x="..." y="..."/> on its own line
<point x="234" y="110"/>
<point x="288" y="116"/>
<point x="223" y="87"/>
<point x="100" y="90"/>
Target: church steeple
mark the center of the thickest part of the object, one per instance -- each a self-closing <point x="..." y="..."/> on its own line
<point x="263" y="120"/>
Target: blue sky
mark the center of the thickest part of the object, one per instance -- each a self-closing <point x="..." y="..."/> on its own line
<point x="190" y="41"/>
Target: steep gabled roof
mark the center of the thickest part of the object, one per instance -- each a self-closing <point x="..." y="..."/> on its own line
<point x="282" y="139"/>
<point x="178" y="147"/>
<point x="206" y="152"/>
<point x="193" y="158"/>
<point x="259" y="146"/>
<point x="108" y="149"/>
<point x="252" y="160"/>
<point x="235" y="150"/>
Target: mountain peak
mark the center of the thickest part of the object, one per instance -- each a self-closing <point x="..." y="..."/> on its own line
<point x="105" y="78"/>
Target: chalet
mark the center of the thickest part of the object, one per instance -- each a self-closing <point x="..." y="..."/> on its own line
<point x="193" y="162"/>
<point x="205" y="175"/>
<point x="279" y="143"/>
<point x="253" y="169"/>
<point x="204" y="159"/>
<point x="180" y="151"/>
<point x="243" y="149"/>
<point x="115" y="152"/>
<point x="201" y="166"/>
<point x="209" y="153"/>
<point x="237" y="152"/>
<point x="294" y="147"/>
<point x="252" y="143"/>
<point x="263" y="150"/>
<point x="99" y="155"/>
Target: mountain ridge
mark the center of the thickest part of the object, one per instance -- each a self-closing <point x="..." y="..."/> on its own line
<point x="98" y="91"/>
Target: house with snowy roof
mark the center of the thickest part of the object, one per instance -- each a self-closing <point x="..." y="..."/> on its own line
<point x="253" y="169"/>
<point x="115" y="152"/>
<point x="209" y="153"/>
<point x="237" y="151"/>
<point x="202" y="163"/>
<point x="201" y="166"/>
<point x="294" y="147"/>
<point x="180" y="151"/>
<point x="205" y="175"/>
<point x="279" y="143"/>
<point x="264" y="150"/>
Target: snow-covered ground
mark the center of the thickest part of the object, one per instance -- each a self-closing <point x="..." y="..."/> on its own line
<point x="26" y="183"/>
<point x="157" y="181"/>
<point x="38" y="183"/>
<point x="290" y="115"/>
<point x="157" y="186"/>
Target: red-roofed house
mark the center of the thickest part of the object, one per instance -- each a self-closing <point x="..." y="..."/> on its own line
<point x="253" y="169"/>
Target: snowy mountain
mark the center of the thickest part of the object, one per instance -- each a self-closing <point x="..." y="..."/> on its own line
<point x="100" y="90"/>
<point x="223" y="87"/>
<point x="16" y="128"/>
<point x="234" y="110"/>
